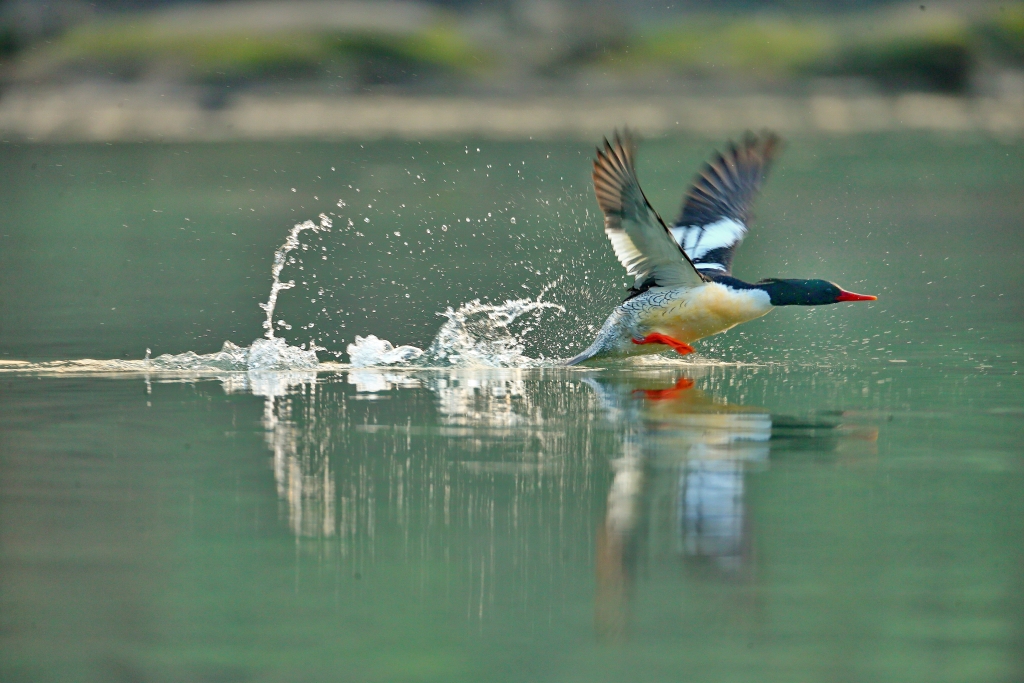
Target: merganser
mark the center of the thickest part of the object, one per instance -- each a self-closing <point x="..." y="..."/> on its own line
<point x="684" y="289"/>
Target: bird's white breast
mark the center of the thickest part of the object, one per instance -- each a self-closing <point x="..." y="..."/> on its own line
<point x="692" y="314"/>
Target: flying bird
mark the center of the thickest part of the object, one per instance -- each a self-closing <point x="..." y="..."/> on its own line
<point x="683" y="288"/>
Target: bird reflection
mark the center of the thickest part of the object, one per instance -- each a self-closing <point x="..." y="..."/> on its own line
<point x="699" y="448"/>
<point x="678" y="485"/>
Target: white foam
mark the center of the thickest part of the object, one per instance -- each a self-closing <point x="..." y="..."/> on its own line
<point x="371" y="351"/>
<point x="262" y="355"/>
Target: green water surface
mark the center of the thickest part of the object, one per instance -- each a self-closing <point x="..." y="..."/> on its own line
<point x="832" y="494"/>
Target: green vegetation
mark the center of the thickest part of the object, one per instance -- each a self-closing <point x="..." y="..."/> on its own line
<point x="1005" y="33"/>
<point x="703" y="45"/>
<point x="897" y="51"/>
<point x="940" y="62"/>
<point x="383" y="58"/>
<point x="128" y="48"/>
<point x="895" y="48"/>
<point x="8" y="43"/>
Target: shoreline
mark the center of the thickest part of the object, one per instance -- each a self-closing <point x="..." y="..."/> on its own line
<point x="98" y="114"/>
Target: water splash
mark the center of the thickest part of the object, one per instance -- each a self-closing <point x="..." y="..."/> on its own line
<point x="475" y="335"/>
<point x="480" y="335"/>
<point x="280" y="261"/>
<point x="262" y="355"/>
<point x="371" y="351"/>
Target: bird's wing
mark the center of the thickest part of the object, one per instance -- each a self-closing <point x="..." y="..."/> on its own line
<point x="716" y="209"/>
<point x="641" y="240"/>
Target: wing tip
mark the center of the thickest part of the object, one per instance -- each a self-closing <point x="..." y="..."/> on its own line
<point x="614" y="168"/>
<point x="763" y="147"/>
<point x="622" y="146"/>
<point x="727" y="183"/>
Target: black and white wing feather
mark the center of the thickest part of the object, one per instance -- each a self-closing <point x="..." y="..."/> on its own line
<point x="716" y="209"/>
<point x="641" y="240"/>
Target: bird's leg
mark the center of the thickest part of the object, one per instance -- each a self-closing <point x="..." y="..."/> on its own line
<point x="682" y="348"/>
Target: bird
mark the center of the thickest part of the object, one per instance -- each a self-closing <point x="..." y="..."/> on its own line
<point x="683" y="288"/>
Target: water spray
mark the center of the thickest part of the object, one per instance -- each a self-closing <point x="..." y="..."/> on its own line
<point x="280" y="261"/>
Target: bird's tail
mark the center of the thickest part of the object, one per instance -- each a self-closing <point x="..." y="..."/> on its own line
<point x="592" y="351"/>
<point x="576" y="360"/>
<point x="604" y="342"/>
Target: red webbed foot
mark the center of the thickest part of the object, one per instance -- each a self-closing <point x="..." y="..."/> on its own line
<point x="682" y="348"/>
<point x="666" y="394"/>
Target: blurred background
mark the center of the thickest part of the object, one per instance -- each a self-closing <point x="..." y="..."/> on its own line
<point x="235" y="69"/>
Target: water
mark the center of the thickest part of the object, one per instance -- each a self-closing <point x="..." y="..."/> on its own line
<point x="829" y="494"/>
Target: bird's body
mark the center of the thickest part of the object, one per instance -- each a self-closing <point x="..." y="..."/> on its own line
<point x="684" y="289"/>
<point x="684" y="314"/>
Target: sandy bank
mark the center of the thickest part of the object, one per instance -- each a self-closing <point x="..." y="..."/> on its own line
<point x="96" y="114"/>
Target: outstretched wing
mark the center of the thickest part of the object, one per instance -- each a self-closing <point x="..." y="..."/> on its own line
<point x="641" y="240"/>
<point x="716" y="209"/>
